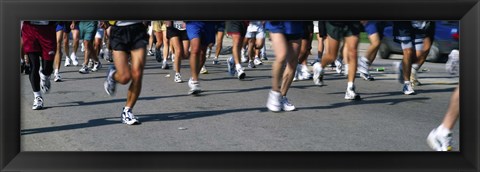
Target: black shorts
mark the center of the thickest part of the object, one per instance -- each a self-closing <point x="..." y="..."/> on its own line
<point x="307" y="29"/>
<point x="220" y="27"/>
<point x="236" y="27"/>
<point x="174" y="32"/>
<point x="322" y="29"/>
<point x="402" y="29"/>
<point x="291" y="37"/>
<point x="128" y="38"/>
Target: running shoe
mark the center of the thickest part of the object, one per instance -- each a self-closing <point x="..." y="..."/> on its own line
<point x="208" y="53"/>
<point x="128" y="117"/>
<point x="215" y="61"/>
<point x="150" y="53"/>
<point x="84" y="69"/>
<point x="57" y="78"/>
<point x="204" y="70"/>
<point x="408" y="89"/>
<point x="304" y="74"/>
<point x="240" y="73"/>
<point x="399" y="70"/>
<point x="231" y="66"/>
<point x="339" y="65"/>
<point x="194" y="87"/>
<point x="110" y="83"/>
<point x="27" y="69"/>
<point x="165" y="65"/>
<point x="73" y="57"/>
<point x="158" y="56"/>
<point x="257" y="61"/>
<point x="264" y="56"/>
<point x="315" y="61"/>
<point x="345" y="72"/>
<point x="37" y="103"/>
<point x="414" y="78"/>
<point x="350" y="94"/>
<point x="90" y="63"/>
<point x="178" y="78"/>
<point x="108" y="55"/>
<point x="274" y="102"/>
<point x="453" y="62"/>
<point x="244" y="59"/>
<point x="44" y="82"/>
<point x="67" y="61"/>
<point x="96" y="66"/>
<point x="438" y="142"/>
<point x="367" y="77"/>
<point x="251" y="64"/>
<point x="363" y="65"/>
<point x="317" y="74"/>
<point x="286" y="105"/>
<point x="244" y="55"/>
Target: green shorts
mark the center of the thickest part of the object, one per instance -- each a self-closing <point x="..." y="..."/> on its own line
<point x="339" y="30"/>
<point x="88" y="29"/>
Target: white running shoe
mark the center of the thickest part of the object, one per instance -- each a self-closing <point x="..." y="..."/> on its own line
<point x="251" y="64"/>
<point x="165" y="65"/>
<point x="208" y="53"/>
<point x="244" y="55"/>
<point x="128" y="117"/>
<point x="96" y="66"/>
<point x="204" y="70"/>
<point x="438" y="142"/>
<point x="350" y="94"/>
<point x="414" y="77"/>
<point x="274" y="102"/>
<point x="257" y="61"/>
<point x="399" y="70"/>
<point x="317" y="74"/>
<point x="194" y="87"/>
<point x="150" y="53"/>
<point x="240" y="73"/>
<point x="367" y="77"/>
<point x="338" y="65"/>
<point x="215" y="61"/>
<point x="110" y="83"/>
<point x="286" y="105"/>
<point x="84" y="69"/>
<point x="178" y="78"/>
<point x="90" y="63"/>
<point x="244" y="59"/>
<point x="67" y="61"/>
<point x="57" y="78"/>
<point x="304" y="74"/>
<point x="452" y="65"/>
<point x="37" y="103"/>
<point x="44" y="82"/>
<point x="408" y="89"/>
<point x="73" y="57"/>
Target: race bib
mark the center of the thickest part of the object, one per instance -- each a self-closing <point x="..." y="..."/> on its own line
<point x="39" y="22"/>
<point x="180" y="25"/>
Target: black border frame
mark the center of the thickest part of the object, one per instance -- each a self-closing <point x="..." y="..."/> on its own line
<point x="13" y="11"/>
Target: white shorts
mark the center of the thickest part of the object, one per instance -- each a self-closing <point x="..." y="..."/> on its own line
<point x="257" y="34"/>
<point x="99" y="33"/>
<point x="315" y="26"/>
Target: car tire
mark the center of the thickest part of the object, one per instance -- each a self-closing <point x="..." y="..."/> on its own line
<point x="434" y="54"/>
<point x="384" y="51"/>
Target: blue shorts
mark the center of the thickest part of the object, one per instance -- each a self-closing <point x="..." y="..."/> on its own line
<point x="286" y="27"/>
<point x="373" y="27"/>
<point x="220" y="27"/>
<point x="63" y="26"/>
<point x="203" y="30"/>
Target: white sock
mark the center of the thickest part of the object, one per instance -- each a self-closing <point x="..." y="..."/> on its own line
<point x="415" y="67"/>
<point x="443" y="131"/>
<point x="126" y="108"/>
<point x="238" y="66"/>
<point x="56" y="71"/>
<point x="37" y="94"/>
<point x="350" y="85"/>
<point x="407" y="82"/>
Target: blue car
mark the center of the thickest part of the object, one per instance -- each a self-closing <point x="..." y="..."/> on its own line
<point x="446" y="39"/>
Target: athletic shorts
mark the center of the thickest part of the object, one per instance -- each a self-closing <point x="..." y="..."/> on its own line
<point x="409" y="36"/>
<point x="339" y="30"/>
<point x="260" y="34"/>
<point x="128" y="38"/>
<point x="150" y="30"/>
<point x="293" y="30"/>
<point x="220" y="27"/>
<point x="157" y="26"/>
<point x="88" y="29"/>
<point x="100" y="33"/>
<point x="174" y="32"/>
<point x="307" y="29"/>
<point x="320" y="28"/>
<point x="236" y="27"/>
<point x="372" y="27"/>
<point x="205" y="30"/>
<point x="63" y="26"/>
<point x="39" y="39"/>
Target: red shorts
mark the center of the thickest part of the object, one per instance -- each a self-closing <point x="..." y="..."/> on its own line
<point x="39" y="39"/>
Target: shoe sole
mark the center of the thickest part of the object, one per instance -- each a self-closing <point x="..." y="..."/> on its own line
<point x="194" y="92"/>
<point x="241" y="76"/>
<point x="105" y="86"/>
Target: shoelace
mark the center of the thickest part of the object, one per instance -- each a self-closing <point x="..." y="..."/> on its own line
<point x="285" y="101"/>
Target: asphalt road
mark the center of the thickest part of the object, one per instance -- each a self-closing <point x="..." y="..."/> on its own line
<point x="231" y="114"/>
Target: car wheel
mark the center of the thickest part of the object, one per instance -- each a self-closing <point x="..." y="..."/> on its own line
<point x="384" y="51"/>
<point x="434" y="54"/>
